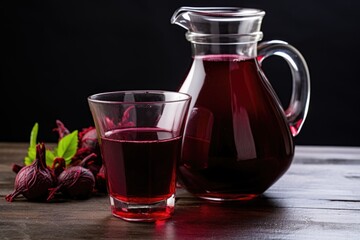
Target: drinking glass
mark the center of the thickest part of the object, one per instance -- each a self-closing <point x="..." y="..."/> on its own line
<point x="140" y="134"/>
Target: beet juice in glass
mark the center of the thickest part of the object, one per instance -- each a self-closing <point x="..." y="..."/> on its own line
<point x="140" y="135"/>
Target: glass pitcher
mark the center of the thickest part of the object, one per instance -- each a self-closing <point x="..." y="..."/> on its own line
<point x="239" y="139"/>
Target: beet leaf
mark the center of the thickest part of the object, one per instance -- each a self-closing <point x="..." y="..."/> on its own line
<point x="67" y="146"/>
<point x="32" y="148"/>
<point x="50" y="156"/>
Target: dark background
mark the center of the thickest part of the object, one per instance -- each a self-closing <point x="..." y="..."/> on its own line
<point x="56" y="53"/>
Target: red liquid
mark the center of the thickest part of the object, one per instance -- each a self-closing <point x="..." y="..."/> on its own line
<point x="249" y="146"/>
<point x="141" y="165"/>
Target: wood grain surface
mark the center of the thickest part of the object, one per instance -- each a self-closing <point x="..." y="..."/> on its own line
<point x="318" y="198"/>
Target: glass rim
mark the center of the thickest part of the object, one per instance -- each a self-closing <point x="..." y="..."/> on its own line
<point x="228" y="11"/>
<point x="185" y="96"/>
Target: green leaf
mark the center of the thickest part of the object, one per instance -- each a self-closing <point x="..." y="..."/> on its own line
<point x="32" y="153"/>
<point x="33" y="135"/>
<point x="49" y="158"/>
<point x="28" y="161"/>
<point x="55" y="151"/>
<point x="67" y="146"/>
<point x="32" y="148"/>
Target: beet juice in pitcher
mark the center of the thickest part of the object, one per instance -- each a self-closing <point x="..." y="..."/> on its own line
<point x="238" y="139"/>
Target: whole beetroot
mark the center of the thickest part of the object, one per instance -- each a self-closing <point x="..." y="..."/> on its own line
<point x="75" y="182"/>
<point x="88" y="144"/>
<point x="35" y="180"/>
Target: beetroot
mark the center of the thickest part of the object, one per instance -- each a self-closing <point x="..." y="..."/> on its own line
<point x="82" y="176"/>
<point x="88" y="144"/>
<point x="76" y="182"/>
<point x="88" y="139"/>
<point x="16" y="167"/>
<point x="35" y="180"/>
<point x="61" y="129"/>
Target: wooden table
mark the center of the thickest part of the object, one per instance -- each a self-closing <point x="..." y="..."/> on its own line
<point x="318" y="198"/>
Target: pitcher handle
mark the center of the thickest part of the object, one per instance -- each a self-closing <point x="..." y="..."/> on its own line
<point x="300" y="97"/>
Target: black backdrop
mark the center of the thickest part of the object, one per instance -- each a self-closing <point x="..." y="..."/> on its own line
<point x="56" y="53"/>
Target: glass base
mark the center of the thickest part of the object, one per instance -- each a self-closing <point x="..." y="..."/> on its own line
<point x="143" y="212"/>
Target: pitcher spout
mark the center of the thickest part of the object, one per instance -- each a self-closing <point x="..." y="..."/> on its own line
<point x="235" y="23"/>
<point x="182" y="16"/>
